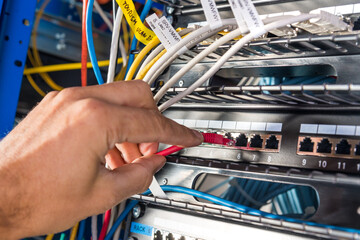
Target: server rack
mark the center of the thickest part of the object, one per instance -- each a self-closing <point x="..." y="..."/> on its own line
<point x="291" y="114"/>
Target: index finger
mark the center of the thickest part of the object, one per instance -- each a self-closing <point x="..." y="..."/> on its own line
<point x="138" y="125"/>
<point x="132" y="94"/>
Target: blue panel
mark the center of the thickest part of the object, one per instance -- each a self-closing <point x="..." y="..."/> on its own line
<point x="1" y="4"/>
<point x="15" y="28"/>
<point x="141" y="229"/>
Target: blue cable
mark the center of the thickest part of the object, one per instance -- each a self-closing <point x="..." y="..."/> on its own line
<point x="121" y="218"/>
<point x="90" y="42"/>
<point x="81" y="230"/>
<point x="219" y="185"/>
<point x="222" y="202"/>
<point x="134" y="41"/>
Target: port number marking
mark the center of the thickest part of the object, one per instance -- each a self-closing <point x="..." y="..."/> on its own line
<point x="342" y="165"/>
<point x="238" y="156"/>
<point x="358" y="167"/>
<point x="254" y="157"/>
<point x="303" y="162"/>
<point x="269" y="159"/>
<point x="322" y="164"/>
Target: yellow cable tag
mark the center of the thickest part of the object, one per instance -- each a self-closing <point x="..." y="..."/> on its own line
<point x="142" y="33"/>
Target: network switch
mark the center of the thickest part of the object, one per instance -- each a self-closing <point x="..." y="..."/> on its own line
<point x="302" y="139"/>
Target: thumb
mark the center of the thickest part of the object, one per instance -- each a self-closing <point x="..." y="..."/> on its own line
<point x="130" y="179"/>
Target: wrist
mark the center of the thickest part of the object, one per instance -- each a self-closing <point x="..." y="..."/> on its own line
<point x="12" y="209"/>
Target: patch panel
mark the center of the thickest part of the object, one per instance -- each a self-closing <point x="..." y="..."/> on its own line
<point x="329" y="147"/>
<point x="251" y="141"/>
<point x="160" y="234"/>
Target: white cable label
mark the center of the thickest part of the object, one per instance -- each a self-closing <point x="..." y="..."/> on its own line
<point x="165" y="32"/>
<point x="156" y="190"/>
<point x="153" y="20"/>
<point x="248" y="12"/>
<point x="235" y="6"/>
<point x="168" y="30"/>
<point x="252" y="17"/>
<point x="211" y="13"/>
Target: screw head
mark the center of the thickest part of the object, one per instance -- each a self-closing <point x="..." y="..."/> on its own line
<point x="170" y="10"/>
<point x="165" y="181"/>
<point x="136" y="211"/>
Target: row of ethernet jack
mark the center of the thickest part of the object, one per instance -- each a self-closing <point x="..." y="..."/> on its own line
<point x="329" y="147"/>
<point x="253" y="141"/>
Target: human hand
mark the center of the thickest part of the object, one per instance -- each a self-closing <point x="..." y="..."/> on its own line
<point x="52" y="165"/>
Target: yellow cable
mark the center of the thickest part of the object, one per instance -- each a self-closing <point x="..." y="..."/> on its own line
<point x="64" y="67"/>
<point x="35" y="86"/>
<point x="140" y="57"/>
<point x="121" y="74"/>
<point x="74" y="232"/>
<point x="37" y="58"/>
<point x="31" y="80"/>
<point x="49" y="237"/>
<point x="125" y="35"/>
<point x="143" y="72"/>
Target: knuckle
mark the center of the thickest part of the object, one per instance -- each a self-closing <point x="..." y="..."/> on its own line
<point x="143" y="88"/>
<point x="142" y="85"/>
<point x="90" y="110"/>
<point x="51" y="95"/>
<point x="68" y="94"/>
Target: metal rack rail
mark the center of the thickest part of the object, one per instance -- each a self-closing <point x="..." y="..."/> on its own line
<point x="305" y="95"/>
<point x="225" y="213"/>
<point x="304" y="45"/>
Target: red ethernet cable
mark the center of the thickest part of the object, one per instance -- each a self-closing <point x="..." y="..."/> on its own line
<point x="105" y="225"/>
<point x="212" y="138"/>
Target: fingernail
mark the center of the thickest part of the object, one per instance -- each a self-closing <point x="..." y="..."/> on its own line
<point x="199" y="135"/>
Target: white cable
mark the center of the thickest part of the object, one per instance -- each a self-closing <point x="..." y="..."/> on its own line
<point x="194" y="61"/>
<point x="159" y="48"/>
<point x="103" y="15"/>
<point x="175" y="49"/>
<point x="233" y="50"/>
<point x="189" y="45"/>
<point x="114" y="10"/>
<point x="228" y="37"/>
<point x="114" y="46"/>
<point x="118" y="230"/>
<point x="94" y="227"/>
<point x="112" y="218"/>
<point x="151" y="56"/>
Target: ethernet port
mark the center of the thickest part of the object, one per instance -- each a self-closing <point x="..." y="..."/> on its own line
<point x="229" y="136"/>
<point x="170" y="236"/>
<point x="343" y="147"/>
<point x="306" y="145"/>
<point x="158" y="235"/>
<point x="256" y="141"/>
<point x="324" y="146"/>
<point x="272" y="143"/>
<point x="357" y="149"/>
<point x="241" y="141"/>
